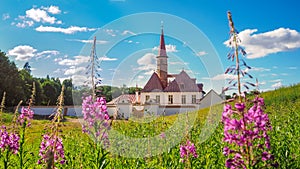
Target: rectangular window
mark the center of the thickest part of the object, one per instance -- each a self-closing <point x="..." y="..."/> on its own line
<point x="147" y="97"/>
<point x="157" y="99"/>
<point x="183" y="99"/>
<point x="193" y="99"/>
<point x="170" y="99"/>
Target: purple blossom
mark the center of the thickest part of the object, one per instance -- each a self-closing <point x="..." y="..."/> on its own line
<point x="247" y="129"/>
<point x="96" y="118"/>
<point x="51" y="145"/>
<point x="187" y="150"/>
<point x="162" y="135"/>
<point x="9" y="141"/>
<point x="26" y="115"/>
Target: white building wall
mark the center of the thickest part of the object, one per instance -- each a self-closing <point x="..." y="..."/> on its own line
<point x="164" y="97"/>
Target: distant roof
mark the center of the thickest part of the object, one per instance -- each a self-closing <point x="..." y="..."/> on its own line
<point x="154" y="84"/>
<point x="131" y="98"/>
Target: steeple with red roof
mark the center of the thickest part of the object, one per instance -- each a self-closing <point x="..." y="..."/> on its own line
<point x="162" y="60"/>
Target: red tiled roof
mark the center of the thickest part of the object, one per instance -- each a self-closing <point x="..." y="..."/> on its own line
<point x="129" y="97"/>
<point x="172" y="87"/>
<point x="182" y="83"/>
<point x="162" y="47"/>
<point x="154" y="84"/>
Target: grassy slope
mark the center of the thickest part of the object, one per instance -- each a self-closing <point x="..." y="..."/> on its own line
<point x="282" y="105"/>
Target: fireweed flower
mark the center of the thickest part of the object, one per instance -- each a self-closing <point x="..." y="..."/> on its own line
<point x="51" y="148"/>
<point x="250" y="130"/>
<point x="187" y="150"/>
<point x="96" y="118"/>
<point x="245" y="130"/>
<point x="26" y="115"/>
<point x="9" y="141"/>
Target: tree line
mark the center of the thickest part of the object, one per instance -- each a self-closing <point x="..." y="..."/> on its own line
<point x="18" y="86"/>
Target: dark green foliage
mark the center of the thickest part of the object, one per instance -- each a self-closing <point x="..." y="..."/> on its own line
<point x="11" y="82"/>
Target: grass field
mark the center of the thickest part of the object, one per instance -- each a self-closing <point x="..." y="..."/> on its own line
<point x="133" y="138"/>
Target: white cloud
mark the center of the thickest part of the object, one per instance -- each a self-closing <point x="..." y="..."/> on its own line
<point x="170" y="48"/>
<point x="178" y="63"/>
<point x="141" y="77"/>
<point x="147" y="59"/>
<point x="224" y="77"/>
<point x="257" y="69"/>
<point x="276" y="80"/>
<point x="128" y="32"/>
<point x="47" y="53"/>
<point x="74" y="70"/>
<point x="79" y="79"/>
<point x="277" y="85"/>
<point x="22" y="52"/>
<point x="39" y="15"/>
<point x="89" y="41"/>
<point x="73" y="62"/>
<point x="201" y="53"/>
<point x="147" y="63"/>
<point x="5" y="16"/>
<point x="24" y="24"/>
<point x="69" y="30"/>
<point x="292" y="68"/>
<point x="25" y="52"/>
<point x="52" y="9"/>
<point x="262" y="44"/>
<point x="110" y="32"/>
<point x="105" y="58"/>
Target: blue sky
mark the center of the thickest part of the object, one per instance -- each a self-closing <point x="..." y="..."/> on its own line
<point x="54" y="37"/>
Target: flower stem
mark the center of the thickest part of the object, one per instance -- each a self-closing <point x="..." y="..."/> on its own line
<point x="232" y="30"/>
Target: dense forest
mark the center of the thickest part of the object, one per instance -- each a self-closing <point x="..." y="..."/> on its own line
<point x="18" y="83"/>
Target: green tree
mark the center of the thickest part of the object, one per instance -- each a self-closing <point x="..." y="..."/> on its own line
<point x="11" y="82"/>
<point x="68" y="99"/>
<point x="51" y="91"/>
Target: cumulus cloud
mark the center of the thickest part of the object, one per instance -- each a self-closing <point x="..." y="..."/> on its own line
<point x="147" y="63"/>
<point x="22" y="52"/>
<point x="41" y="14"/>
<point x="52" y="9"/>
<point x="105" y="58"/>
<point x="25" y="52"/>
<point x="5" y="16"/>
<point x="170" y="48"/>
<point x="24" y="24"/>
<point x="262" y="44"/>
<point x="74" y="70"/>
<point x="47" y="53"/>
<point x="77" y="60"/>
<point x="147" y="59"/>
<point x="277" y="85"/>
<point x="69" y="30"/>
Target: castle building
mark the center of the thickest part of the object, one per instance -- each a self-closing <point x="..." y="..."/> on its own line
<point x="164" y="93"/>
<point x="170" y="89"/>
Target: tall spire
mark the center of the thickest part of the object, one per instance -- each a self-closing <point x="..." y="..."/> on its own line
<point x="162" y="60"/>
<point x="162" y="46"/>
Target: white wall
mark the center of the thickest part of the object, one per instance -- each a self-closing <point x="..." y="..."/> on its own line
<point x="176" y="97"/>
